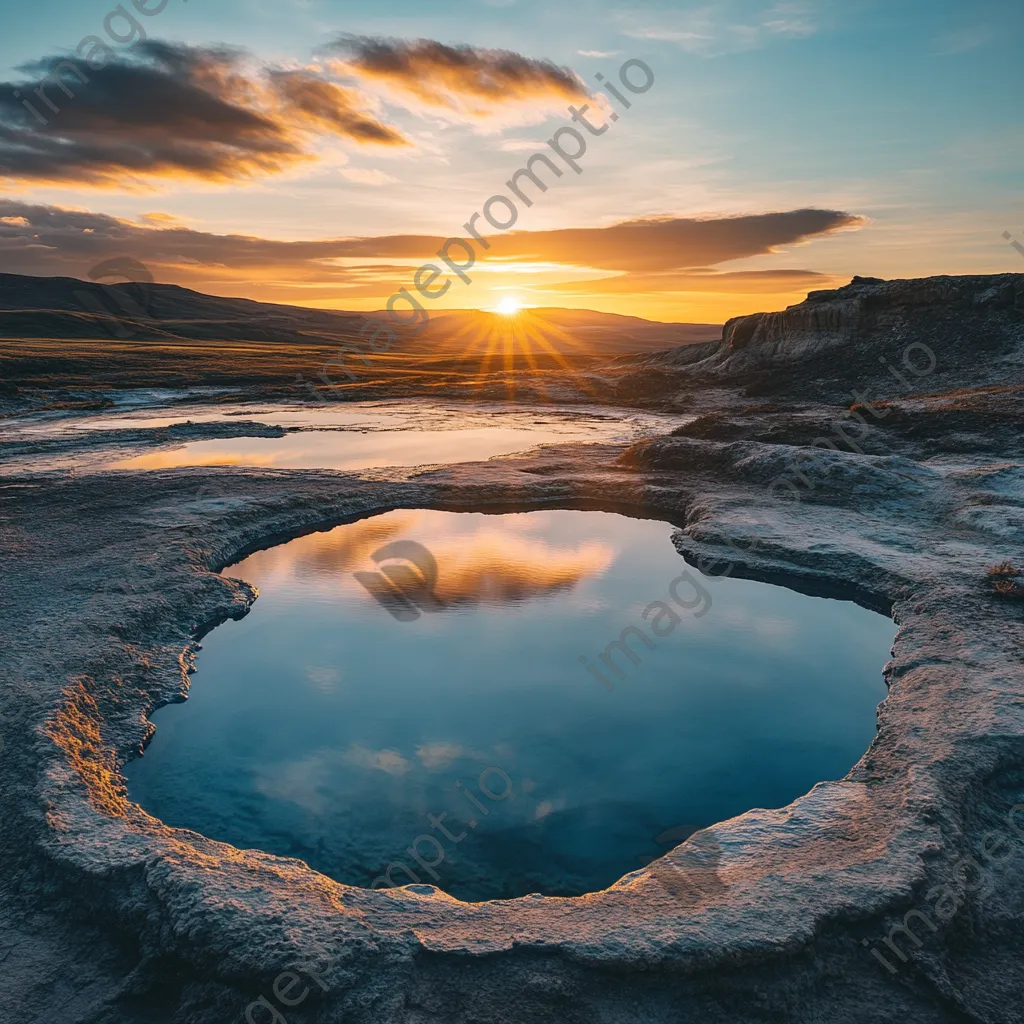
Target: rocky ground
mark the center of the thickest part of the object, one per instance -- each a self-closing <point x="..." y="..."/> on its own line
<point x="896" y="894"/>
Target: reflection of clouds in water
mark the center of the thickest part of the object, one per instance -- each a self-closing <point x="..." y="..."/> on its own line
<point x="478" y="563"/>
<point x="303" y="782"/>
<point x="589" y="604"/>
<point x="734" y="615"/>
<point x="312" y="781"/>
<point x="390" y="761"/>
<point x="526" y="522"/>
<point x="338" y="551"/>
<point x="324" y="678"/>
<point x="772" y="629"/>
<point x="495" y="568"/>
<point x="439" y="755"/>
<point x="548" y="807"/>
<point x="178" y="457"/>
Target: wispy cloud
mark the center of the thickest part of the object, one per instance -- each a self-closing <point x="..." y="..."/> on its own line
<point x="367" y="176"/>
<point x="962" y="40"/>
<point x="732" y="26"/>
<point x="518" y="145"/>
<point x="324" y="677"/>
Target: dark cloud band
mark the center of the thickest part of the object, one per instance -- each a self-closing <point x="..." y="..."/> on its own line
<point x="652" y="255"/>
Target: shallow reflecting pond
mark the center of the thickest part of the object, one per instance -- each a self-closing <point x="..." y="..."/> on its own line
<point x="366" y="435"/>
<point x="334" y="435"/>
<point x="473" y="716"/>
<point x="323" y="449"/>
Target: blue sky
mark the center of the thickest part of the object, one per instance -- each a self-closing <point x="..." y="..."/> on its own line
<point x="906" y="114"/>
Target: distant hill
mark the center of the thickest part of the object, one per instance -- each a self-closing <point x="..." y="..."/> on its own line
<point x="63" y="307"/>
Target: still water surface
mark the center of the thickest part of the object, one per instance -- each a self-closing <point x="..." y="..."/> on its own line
<point x="323" y="727"/>
<point x="338" y="436"/>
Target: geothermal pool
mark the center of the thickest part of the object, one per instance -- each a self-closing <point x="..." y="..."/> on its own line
<point x="440" y="698"/>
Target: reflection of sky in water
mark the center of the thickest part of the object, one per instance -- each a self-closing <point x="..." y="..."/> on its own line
<point x="323" y="728"/>
<point x="389" y="414"/>
<point x="322" y="449"/>
<point x="335" y="435"/>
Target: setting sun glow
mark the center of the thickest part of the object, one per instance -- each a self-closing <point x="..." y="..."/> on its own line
<point x="508" y="306"/>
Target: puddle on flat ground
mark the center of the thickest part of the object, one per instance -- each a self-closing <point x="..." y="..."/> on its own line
<point x="321" y="449"/>
<point x="362" y="711"/>
<point x="356" y="435"/>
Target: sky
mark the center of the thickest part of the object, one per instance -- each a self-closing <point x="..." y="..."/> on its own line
<point x="318" y="153"/>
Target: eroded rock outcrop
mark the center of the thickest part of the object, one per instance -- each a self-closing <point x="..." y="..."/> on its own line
<point x="961" y="319"/>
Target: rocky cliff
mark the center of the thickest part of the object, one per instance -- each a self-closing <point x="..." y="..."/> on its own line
<point x="964" y="321"/>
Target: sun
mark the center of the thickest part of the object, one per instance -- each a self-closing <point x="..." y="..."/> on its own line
<point x="508" y="306"/>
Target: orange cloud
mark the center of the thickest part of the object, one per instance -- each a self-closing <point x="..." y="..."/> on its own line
<point x="159" y="220"/>
<point x="747" y="282"/>
<point x="671" y="243"/>
<point x="472" y="82"/>
<point x="332" y="107"/>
